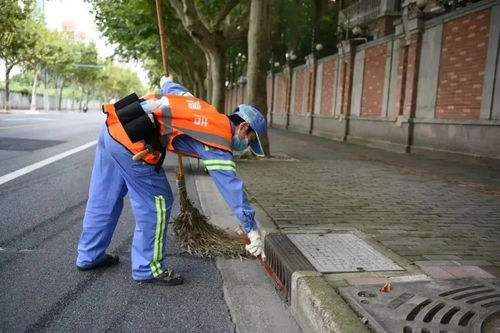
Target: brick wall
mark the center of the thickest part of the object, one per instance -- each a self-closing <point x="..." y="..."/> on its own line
<point x="298" y="93"/>
<point x="327" y="87"/>
<point x="457" y="65"/>
<point x="280" y="86"/>
<point x="463" y="61"/>
<point x="373" y="80"/>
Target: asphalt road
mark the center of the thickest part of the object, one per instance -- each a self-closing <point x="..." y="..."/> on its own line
<point x="40" y="222"/>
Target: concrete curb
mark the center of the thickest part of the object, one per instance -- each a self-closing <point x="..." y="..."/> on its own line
<point x="318" y="308"/>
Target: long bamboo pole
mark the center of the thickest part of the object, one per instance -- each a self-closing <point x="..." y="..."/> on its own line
<point x="163" y="37"/>
<point x="163" y="45"/>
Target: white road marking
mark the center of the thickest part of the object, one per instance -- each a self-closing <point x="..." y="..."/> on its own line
<point x="18" y="173"/>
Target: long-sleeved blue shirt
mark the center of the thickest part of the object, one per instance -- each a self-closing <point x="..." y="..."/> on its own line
<point x="221" y="167"/>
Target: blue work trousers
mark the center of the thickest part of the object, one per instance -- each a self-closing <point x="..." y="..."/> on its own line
<point x="115" y="174"/>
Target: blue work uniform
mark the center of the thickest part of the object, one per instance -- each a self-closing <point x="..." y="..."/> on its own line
<point x="115" y="174"/>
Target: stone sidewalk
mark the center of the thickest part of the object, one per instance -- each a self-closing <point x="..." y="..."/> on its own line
<point x="437" y="216"/>
<point x="419" y="207"/>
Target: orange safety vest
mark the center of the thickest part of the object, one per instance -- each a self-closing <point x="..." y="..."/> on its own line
<point x="185" y="115"/>
<point x="196" y="119"/>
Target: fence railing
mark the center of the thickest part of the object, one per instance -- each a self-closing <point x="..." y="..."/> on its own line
<point x="360" y="12"/>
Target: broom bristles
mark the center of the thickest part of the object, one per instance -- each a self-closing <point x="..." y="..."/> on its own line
<point x="199" y="237"/>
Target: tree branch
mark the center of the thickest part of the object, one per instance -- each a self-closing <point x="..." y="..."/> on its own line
<point x="232" y="34"/>
<point x="186" y="12"/>
<point x="224" y="12"/>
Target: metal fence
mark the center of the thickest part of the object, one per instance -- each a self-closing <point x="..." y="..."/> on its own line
<point x="360" y="12"/>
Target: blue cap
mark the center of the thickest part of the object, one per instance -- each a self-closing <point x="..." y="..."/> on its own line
<point x="257" y="122"/>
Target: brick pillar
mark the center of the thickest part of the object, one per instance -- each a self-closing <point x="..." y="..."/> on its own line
<point x="270" y="98"/>
<point x="409" y="32"/>
<point x="311" y="69"/>
<point x="347" y="51"/>
<point x="346" y="54"/>
<point x="401" y="75"/>
<point x="288" y="95"/>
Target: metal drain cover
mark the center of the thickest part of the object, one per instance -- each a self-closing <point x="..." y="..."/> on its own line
<point x="341" y="253"/>
<point x="464" y="305"/>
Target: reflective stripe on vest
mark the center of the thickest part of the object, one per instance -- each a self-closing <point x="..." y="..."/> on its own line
<point x="117" y="132"/>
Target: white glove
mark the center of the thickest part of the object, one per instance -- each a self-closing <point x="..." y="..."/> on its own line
<point x="256" y="247"/>
<point x="165" y="79"/>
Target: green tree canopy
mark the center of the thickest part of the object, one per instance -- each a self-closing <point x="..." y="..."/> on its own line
<point x="131" y="26"/>
<point x="116" y="82"/>
<point x="19" y="34"/>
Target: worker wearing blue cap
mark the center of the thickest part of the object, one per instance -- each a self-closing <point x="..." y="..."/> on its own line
<point x="115" y="174"/>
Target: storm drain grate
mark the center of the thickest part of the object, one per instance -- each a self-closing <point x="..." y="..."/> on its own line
<point x="284" y="258"/>
<point x="464" y="305"/>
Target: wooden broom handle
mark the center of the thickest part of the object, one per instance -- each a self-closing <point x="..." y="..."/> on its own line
<point x="163" y="37"/>
<point x="163" y="45"/>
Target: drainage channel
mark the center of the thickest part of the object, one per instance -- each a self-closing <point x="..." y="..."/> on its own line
<point x="325" y="253"/>
<point x="285" y="258"/>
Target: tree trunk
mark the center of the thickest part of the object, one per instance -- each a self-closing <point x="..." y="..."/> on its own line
<point x="46" y="101"/>
<point x="8" y="68"/>
<point x="200" y="85"/>
<point x="258" y="57"/>
<point x="218" y="77"/>
<point x="60" y="96"/>
<point x="81" y="100"/>
<point x="33" y="93"/>
<point x="213" y="41"/>
<point x="208" y="96"/>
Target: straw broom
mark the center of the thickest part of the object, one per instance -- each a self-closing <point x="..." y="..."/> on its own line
<point x="191" y="228"/>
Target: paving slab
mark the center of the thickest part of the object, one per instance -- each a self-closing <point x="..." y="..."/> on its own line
<point x="411" y="204"/>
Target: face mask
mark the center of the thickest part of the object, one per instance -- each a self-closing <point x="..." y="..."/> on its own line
<point x="239" y="145"/>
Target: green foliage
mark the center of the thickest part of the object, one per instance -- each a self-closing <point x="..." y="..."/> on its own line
<point x="293" y="24"/>
<point x="18" y="32"/>
<point x="210" y="10"/>
<point x="85" y="56"/>
<point x="298" y="26"/>
<point x="115" y="82"/>
<point x="74" y="67"/>
<point x="131" y="25"/>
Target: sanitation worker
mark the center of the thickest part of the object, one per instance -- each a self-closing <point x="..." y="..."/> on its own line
<point x="176" y="122"/>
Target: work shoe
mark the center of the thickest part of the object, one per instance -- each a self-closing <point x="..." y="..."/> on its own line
<point x="167" y="278"/>
<point x="109" y="260"/>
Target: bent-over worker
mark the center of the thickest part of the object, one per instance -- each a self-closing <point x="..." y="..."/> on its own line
<point x="179" y="123"/>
